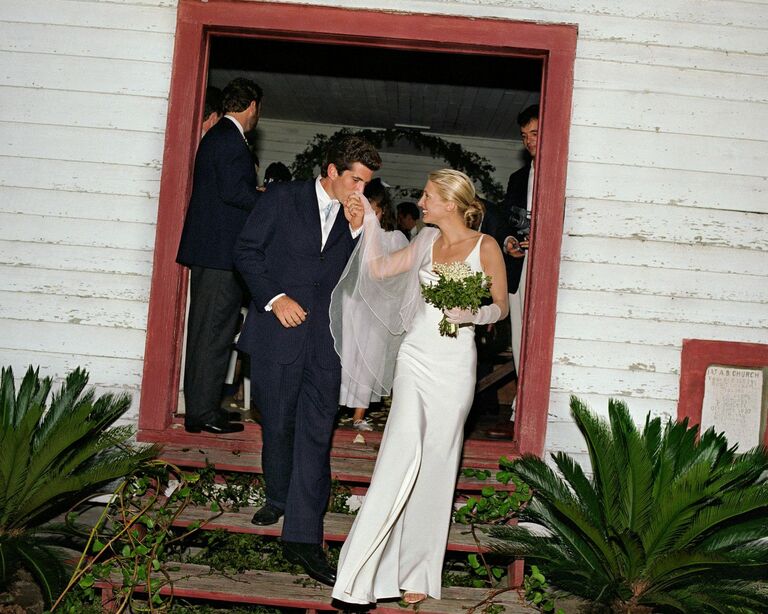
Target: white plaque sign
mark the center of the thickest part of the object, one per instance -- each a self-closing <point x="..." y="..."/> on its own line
<point x="733" y="399"/>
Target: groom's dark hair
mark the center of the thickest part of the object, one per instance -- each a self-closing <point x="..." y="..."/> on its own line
<point x="344" y="152"/>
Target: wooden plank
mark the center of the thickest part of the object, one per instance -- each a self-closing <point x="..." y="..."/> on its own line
<point x="109" y="372"/>
<point x="669" y="151"/>
<point x="662" y="308"/>
<point x="86" y="41"/>
<point x="74" y="283"/>
<point x="665" y="55"/>
<point x="103" y="145"/>
<point x="665" y="221"/>
<point x="85" y="74"/>
<point x="155" y="17"/>
<point x="629" y="356"/>
<point x="684" y="81"/>
<point x="355" y="470"/>
<point x="34" y="336"/>
<point x="655" y="112"/>
<point x="116" y="111"/>
<point x="606" y="381"/>
<point x="283" y="590"/>
<point x="76" y="257"/>
<point x="665" y="255"/>
<point x="111" y="312"/>
<point x="639" y="407"/>
<point x="57" y="202"/>
<point x="630" y="330"/>
<point x="336" y="527"/>
<point x="76" y="231"/>
<point x="80" y="176"/>
<point x="700" y="190"/>
<point x="663" y="282"/>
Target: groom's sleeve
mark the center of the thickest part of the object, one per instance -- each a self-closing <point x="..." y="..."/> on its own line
<point x="251" y="251"/>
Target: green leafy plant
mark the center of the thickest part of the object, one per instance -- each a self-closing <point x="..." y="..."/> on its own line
<point x="668" y="522"/>
<point x="537" y="592"/>
<point x="492" y="505"/>
<point x="53" y="455"/>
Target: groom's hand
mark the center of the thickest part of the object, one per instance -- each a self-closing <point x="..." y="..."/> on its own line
<point x="354" y="211"/>
<point x="288" y="311"/>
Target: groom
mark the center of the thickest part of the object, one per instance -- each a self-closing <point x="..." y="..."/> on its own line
<point x="291" y="254"/>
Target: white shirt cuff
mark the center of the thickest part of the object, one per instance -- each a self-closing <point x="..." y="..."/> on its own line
<point x="355" y="233"/>
<point x="268" y="307"/>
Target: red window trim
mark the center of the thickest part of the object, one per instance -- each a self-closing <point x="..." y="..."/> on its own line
<point x="554" y="44"/>
<point x="697" y="356"/>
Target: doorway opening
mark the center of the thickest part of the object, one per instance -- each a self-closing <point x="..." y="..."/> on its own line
<point x="463" y="80"/>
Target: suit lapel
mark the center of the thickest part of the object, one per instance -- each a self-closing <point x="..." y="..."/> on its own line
<point x="310" y="215"/>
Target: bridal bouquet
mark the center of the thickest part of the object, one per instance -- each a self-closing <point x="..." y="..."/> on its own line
<point x="457" y="286"/>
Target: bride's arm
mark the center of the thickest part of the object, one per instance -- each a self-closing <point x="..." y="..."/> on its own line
<point x="492" y="261"/>
<point x="379" y="261"/>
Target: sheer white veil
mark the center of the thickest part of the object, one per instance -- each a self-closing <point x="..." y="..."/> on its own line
<point x="375" y="302"/>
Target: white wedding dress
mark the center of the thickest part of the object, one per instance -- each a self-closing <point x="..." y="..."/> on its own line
<point x="399" y="536"/>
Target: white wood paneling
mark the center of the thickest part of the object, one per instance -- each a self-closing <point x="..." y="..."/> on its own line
<point x="76" y="257"/>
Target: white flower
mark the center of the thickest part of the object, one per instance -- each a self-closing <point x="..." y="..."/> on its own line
<point x="454" y="271"/>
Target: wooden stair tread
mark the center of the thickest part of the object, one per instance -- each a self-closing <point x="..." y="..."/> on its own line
<point x="355" y="470"/>
<point x="286" y="590"/>
<point x="483" y="452"/>
<point x="336" y="527"/>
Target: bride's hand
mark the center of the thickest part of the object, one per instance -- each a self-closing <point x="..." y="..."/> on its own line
<point x="459" y="316"/>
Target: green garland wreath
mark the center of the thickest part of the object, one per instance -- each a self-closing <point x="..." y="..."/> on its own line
<point x="478" y="168"/>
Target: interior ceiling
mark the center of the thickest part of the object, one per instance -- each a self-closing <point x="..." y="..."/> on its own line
<point x="447" y="93"/>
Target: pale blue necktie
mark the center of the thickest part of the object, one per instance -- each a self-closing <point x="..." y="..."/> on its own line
<point x="327" y="210"/>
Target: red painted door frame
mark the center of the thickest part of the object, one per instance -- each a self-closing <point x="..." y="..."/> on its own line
<point x="555" y="45"/>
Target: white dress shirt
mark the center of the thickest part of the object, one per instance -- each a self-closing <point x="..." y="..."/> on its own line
<point x="239" y="127"/>
<point x="326" y="223"/>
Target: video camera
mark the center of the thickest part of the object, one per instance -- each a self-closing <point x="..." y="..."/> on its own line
<point x="520" y="221"/>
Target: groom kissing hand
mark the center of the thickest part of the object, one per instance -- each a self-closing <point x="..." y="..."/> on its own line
<point x="291" y="254"/>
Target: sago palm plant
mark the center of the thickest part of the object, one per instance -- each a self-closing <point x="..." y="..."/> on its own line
<point x="51" y="456"/>
<point x="668" y="521"/>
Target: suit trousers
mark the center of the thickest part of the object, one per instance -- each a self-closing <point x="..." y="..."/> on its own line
<point x="298" y="404"/>
<point x="214" y="307"/>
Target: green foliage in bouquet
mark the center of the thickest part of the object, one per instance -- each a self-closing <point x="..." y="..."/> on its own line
<point x="53" y="455"/>
<point x="457" y="286"/>
<point x="668" y="522"/>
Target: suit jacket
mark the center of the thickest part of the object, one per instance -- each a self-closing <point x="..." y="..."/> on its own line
<point x="223" y="194"/>
<point x="500" y="226"/>
<point x="279" y="251"/>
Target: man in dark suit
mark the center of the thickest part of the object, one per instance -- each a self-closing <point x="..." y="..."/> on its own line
<point x="291" y="254"/>
<point x="513" y="234"/>
<point x="223" y="194"/>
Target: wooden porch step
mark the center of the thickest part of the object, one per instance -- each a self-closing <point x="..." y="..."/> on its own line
<point x="336" y="527"/>
<point x="289" y="591"/>
<point x="348" y="470"/>
<point x="346" y="443"/>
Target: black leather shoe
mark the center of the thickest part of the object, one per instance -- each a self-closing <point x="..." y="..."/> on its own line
<point x="312" y="558"/>
<point x="269" y="514"/>
<point x="232" y="416"/>
<point x="217" y="427"/>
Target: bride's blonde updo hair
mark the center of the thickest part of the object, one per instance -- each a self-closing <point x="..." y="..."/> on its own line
<point x="456" y="187"/>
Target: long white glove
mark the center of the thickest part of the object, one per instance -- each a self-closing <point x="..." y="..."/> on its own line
<point x="487" y="314"/>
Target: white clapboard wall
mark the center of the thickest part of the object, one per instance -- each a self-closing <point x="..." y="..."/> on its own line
<point x="665" y="231"/>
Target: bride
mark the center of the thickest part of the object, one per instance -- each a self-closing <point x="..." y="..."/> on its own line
<point x="397" y="543"/>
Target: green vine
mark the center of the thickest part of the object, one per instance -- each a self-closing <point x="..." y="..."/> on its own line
<point x="475" y="166"/>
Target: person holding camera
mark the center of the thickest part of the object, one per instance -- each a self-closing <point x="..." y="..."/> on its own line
<point x="513" y="234"/>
